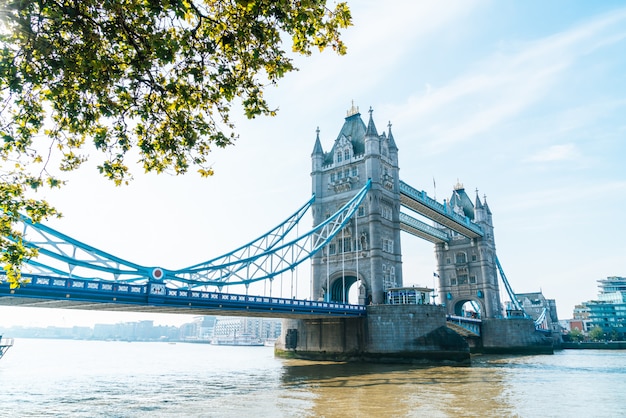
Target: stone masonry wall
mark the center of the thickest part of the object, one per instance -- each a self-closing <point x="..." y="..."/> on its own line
<point x="513" y="336"/>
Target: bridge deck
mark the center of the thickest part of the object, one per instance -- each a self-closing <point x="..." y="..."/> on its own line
<point x="47" y="292"/>
<point x="422" y="230"/>
<point x="467" y="327"/>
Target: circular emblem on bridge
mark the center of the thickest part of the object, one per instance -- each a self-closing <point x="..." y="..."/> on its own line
<point x="158" y="273"/>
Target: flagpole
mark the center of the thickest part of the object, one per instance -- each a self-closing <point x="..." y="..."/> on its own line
<point x="435" y="275"/>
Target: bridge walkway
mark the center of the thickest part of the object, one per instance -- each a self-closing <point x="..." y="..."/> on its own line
<point x="420" y="203"/>
<point x="466" y="327"/>
<point x="54" y="292"/>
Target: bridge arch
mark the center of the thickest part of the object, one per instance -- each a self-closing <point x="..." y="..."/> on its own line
<point x="340" y="286"/>
<point x="465" y="306"/>
<point x="348" y="284"/>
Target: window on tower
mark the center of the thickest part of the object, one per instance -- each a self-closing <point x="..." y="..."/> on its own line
<point x="347" y="245"/>
<point x="346" y="155"/>
<point x="385" y="212"/>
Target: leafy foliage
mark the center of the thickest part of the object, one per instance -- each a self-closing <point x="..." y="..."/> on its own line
<point x="156" y="77"/>
<point x="597" y="334"/>
<point x="576" y="335"/>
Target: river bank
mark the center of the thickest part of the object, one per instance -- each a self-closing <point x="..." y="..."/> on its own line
<point x="597" y="345"/>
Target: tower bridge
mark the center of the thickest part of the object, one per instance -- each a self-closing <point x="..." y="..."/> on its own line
<point x="359" y="207"/>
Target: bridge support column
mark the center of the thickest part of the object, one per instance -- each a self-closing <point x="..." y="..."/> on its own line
<point x="514" y="336"/>
<point x="331" y="339"/>
<point x="389" y="334"/>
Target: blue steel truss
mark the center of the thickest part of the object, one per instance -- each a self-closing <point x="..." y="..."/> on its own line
<point x="509" y="291"/>
<point x="264" y="258"/>
<point x="275" y="261"/>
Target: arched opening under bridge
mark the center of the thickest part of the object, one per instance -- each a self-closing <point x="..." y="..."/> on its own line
<point x="344" y="289"/>
<point x="468" y="308"/>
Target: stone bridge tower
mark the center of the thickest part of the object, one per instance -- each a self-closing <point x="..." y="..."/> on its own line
<point x="467" y="267"/>
<point x="367" y="252"/>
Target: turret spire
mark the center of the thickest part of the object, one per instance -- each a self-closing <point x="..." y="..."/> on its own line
<point x="317" y="148"/>
<point x="392" y="142"/>
<point x="371" y="128"/>
<point x="486" y="205"/>
<point x="478" y="203"/>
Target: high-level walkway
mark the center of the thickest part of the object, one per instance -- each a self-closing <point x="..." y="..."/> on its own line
<point x="421" y="203"/>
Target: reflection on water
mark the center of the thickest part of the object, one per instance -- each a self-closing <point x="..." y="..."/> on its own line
<point x="51" y="378"/>
<point x="397" y="390"/>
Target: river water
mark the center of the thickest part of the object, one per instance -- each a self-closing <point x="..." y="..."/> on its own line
<point x="61" y="378"/>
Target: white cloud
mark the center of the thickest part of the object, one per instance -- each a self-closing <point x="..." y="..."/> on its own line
<point x="556" y="153"/>
<point x="568" y="196"/>
<point x="379" y="39"/>
<point x="504" y="84"/>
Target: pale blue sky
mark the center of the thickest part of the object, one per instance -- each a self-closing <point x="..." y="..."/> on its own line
<point x="524" y="100"/>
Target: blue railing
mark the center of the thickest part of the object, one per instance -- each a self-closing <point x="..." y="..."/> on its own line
<point x="470" y="324"/>
<point x="156" y="294"/>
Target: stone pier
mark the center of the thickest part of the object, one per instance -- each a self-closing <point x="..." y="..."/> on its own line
<point x="514" y="336"/>
<point x="414" y="334"/>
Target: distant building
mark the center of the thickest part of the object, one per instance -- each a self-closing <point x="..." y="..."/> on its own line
<point x="580" y="320"/>
<point x="608" y="311"/>
<point x="200" y="329"/>
<point x="229" y="329"/>
<point x="612" y="284"/>
<point x="134" y="331"/>
<point x="206" y="326"/>
<point x="540" y="308"/>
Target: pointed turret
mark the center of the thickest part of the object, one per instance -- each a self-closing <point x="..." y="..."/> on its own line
<point x="479" y="210"/>
<point x="372" y="140"/>
<point x="317" y="148"/>
<point x="317" y="156"/>
<point x="371" y="128"/>
<point x="392" y="142"/>
<point x="478" y="204"/>
<point x="486" y="206"/>
<point x="485" y="214"/>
